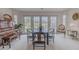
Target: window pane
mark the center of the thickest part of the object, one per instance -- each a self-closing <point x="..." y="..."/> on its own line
<point x="53" y="23"/>
<point x="44" y="20"/>
<point x="64" y="19"/>
<point x="15" y="19"/>
<point x="27" y="23"/>
<point x="36" y="20"/>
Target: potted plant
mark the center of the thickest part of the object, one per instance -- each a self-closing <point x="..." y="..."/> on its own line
<point x="18" y="26"/>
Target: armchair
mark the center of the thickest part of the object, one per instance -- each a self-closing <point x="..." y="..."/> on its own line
<point x="61" y="29"/>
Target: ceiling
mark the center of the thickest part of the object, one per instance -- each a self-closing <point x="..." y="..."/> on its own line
<point x="41" y="9"/>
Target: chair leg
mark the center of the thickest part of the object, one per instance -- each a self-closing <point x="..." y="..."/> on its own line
<point x="44" y="46"/>
<point x="53" y="39"/>
<point x="64" y="34"/>
<point x="33" y="46"/>
<point x="19" y="37"/>
<point x="9" y="43"/>
<point x="3" y="43"/>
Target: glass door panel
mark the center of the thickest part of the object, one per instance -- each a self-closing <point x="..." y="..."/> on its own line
<point x="27" y="23"/>
<point x="44" y="22"/>
<point x="36" y="21"/>
<point x="53" y="23"/>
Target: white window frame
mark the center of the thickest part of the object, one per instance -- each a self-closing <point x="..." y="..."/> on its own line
<point x="64" y="19"/>
<point x="15" y="19"/>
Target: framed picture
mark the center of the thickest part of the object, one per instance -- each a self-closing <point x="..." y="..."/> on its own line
<point x="75" y="16"/>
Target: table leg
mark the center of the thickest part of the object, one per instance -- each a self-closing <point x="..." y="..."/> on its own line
<point x="47" y="39"/>
<point x="9" y="43"/>
<point x="53" y="39"/>
<point x="3" y="43"/>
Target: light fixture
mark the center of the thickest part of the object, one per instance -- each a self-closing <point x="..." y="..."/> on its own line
<point x="42" y="8"/>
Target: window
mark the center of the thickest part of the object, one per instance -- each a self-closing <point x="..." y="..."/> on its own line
<point x="44" y="21"/>
<point x="36" y="20"/>
<point x="34" y="23"/>
<point x="64" y="19"/>
<point x="15" y="19"/>
<point x="27" y="20"/>
<point x="53" y="20"/>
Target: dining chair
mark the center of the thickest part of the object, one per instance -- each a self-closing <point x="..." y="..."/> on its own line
<point x="51" y="35"/>
<point x="61" y="29"/>
<point x="39" y="39"/>
<point x="29" y="36"/>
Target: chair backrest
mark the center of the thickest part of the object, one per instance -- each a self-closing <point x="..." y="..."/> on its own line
<point x="61" y="27"/>
<point x="52" y="32"/>
<point x="39" y="36"/>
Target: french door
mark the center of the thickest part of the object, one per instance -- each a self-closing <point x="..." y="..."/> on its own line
<point x="40" y="21"/>
<point x="36" y="23"/>
<point x="53" y="20"/>
<point x="33" y="23"/>
<point x="44" y="22"/>
<point x="27" y="21"/>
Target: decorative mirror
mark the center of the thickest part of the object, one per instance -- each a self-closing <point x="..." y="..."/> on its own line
<point x="7" y="17"/>
<point x="75" y="16"/>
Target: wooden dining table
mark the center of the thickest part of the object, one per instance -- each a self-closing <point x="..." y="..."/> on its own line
<point x="45" y="33"/>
